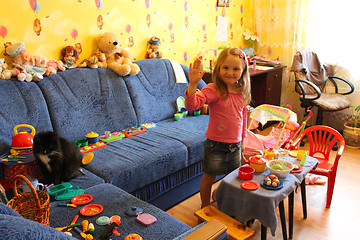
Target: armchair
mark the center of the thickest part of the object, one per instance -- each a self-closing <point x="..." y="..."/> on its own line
<point x="311" y="77"/>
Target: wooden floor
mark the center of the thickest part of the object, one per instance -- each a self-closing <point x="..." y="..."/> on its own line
<point x="340" y="221"/>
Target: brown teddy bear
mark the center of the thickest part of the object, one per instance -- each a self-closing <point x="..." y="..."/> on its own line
<point x="117" y="59"/>
<point x="153" y="48"/>
<point x="96" y="60"/>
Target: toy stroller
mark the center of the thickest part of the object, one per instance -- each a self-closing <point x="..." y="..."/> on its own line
<point x="280" y="136"/>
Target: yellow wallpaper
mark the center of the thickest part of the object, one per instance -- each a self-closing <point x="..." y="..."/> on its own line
<point x="184" y="27"/>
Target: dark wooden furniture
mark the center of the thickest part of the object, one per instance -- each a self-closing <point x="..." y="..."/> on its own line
<point x="265" y="85"/>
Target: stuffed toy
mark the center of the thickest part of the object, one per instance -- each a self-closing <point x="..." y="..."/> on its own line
<point x="56" y="65"/>
<point x="21" y="63"/>
<point x="117" y="59"/>
<point x="153" y="48"/>
<point x="42" y="62"/>
<point x="69" y="56"/>
<point x="5" y="72"/>
<point x="96" y="60"/>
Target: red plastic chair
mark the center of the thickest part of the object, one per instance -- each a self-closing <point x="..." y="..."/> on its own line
<point x="321" y="140"/>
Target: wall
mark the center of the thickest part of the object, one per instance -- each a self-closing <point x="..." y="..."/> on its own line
<point x="184" y="27"/>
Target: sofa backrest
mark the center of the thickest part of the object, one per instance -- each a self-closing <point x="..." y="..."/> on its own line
<point x="21" y="103"/>
<point x="154" y="90"/>
<point x="84" y="100"/>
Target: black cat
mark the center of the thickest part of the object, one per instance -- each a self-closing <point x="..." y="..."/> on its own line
<point x="59" y="160"/>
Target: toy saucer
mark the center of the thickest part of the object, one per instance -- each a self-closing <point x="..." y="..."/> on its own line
<point x="298" y="170"/>
<point x="249" y="185"/>
<point x="82" y="199"/>
<point x="271" y="187"/>
<point x="91" y="210"/>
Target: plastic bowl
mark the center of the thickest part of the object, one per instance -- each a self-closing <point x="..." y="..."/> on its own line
<point x="246" y="172"/>
<point x="275" y="165"/>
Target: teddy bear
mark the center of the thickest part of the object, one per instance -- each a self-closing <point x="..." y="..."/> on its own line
<point x="153" y="48"/>
<point x="5" y="72"/>
<point x="22" y="64"/>
<point x="117" y="59"/>
<point x="96" y="60"/>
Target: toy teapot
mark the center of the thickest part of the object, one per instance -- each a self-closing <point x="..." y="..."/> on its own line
<point x="271" y="153"/>
<point x="23" y="139"/>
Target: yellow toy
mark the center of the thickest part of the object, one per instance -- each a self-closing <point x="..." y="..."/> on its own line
<point x="117" y="59"/>
<point x="5" y="72"/>
<point x="153" y="48"/>
<point x="96" y="60"/>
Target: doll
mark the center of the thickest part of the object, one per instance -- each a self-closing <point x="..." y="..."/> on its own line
<point x="69" y="56"/>
<point x="153" y="48"/>
<point x="21" y="62"/>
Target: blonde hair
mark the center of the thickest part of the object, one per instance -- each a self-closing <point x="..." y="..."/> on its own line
<point x="244" y="81"/>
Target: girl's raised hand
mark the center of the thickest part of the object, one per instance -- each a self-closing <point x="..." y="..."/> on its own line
<point x="195" y="73"/>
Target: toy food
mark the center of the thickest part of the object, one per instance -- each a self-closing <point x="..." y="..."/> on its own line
<point x="271" y="181"/>
<point x="117" y="59"/>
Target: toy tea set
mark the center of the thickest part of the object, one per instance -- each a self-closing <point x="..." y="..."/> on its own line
<point x="278" y="168"/>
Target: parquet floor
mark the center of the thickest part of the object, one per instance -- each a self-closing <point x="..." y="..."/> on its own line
<point x="340" y="221"/>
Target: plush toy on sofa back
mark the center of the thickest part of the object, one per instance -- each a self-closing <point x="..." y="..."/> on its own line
<point x="117" y="59"/>
<point x="21" y="61"/>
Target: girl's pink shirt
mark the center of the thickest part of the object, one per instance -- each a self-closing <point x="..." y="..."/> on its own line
<point x="227" y="117"/>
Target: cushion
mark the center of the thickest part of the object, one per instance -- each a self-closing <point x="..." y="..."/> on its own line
<point x="87" y="100"/>
<point x="115" y="201"/>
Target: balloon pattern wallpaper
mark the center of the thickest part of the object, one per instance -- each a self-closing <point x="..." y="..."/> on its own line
<point x="185" y="28"/>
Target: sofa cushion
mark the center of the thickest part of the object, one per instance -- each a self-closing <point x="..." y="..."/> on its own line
<point x="154" y="90"/>
<point x="134" y="162"/>
<point x="23" y="103"/>
<point x="15" y="227"/>
<point x="84" y="100"/>
<point x="115" y="201"/>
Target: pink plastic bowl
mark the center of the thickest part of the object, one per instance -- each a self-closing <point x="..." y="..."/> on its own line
<point x="246" y="172"/>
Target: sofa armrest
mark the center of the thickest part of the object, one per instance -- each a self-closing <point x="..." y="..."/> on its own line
<point x="210" y="230"/>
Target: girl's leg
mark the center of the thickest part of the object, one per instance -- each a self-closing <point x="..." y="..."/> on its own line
<point x="205" y="189"/>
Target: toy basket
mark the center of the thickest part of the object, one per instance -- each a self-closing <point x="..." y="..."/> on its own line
<point x="33" y="205"/>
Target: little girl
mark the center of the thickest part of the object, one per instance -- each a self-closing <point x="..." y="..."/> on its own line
<point x="227" y="97"/>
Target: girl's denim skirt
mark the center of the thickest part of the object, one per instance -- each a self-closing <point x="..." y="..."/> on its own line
<point x="220" y="158"/>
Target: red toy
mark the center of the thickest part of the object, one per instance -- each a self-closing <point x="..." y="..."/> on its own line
<point x="133" y="131"/>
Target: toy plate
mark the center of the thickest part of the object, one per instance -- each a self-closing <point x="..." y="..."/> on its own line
<point x="271" y="187"/>
<point x="249" y="185"/>
<point x="91" y="210"/>
<point x="59" y="189"/>
<point x="293" y="153"/>
<point x="82" y="199"/>
<point x="298" y="170"/>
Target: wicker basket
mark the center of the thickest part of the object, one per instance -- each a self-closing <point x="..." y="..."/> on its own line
<point x="33" y="205"/>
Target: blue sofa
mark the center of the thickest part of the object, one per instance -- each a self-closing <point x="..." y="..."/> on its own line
<point x="161" y="166"/>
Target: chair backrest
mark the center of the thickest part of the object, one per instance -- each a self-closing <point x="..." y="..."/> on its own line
<point x="321" y="141"/>
<point x="306" y="65"/>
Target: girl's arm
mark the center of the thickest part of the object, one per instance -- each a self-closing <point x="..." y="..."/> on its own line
<point x="195" y="75"/>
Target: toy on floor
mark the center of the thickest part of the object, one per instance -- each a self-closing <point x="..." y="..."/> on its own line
<point x="110" y="137"/>
<point x="133" y="131"/>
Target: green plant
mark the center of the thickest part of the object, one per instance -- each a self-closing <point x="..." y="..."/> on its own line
<point x="355" y="115"/>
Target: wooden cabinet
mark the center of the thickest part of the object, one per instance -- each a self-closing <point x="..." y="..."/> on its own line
<point x="265" y="85"/>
